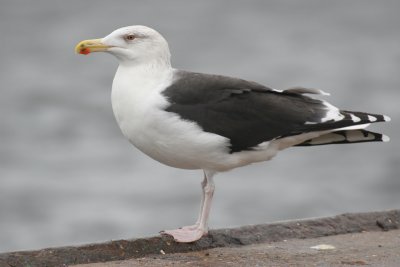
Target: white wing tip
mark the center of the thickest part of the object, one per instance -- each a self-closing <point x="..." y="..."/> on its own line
<point x="385" y="138"/>
<point x="386" y="118"/>
<point x="324" y="93"/>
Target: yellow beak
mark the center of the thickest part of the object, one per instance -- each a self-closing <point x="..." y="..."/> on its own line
<point x="87" y="46"/>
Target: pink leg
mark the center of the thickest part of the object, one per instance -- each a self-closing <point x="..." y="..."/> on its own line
<point x="195" y="232"/>
<point x="203" y="196"/>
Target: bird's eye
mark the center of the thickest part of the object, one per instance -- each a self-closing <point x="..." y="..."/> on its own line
<point x="130" y="37"/>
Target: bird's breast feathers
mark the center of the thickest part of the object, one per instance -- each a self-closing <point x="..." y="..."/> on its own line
<point x="139" y="108"/>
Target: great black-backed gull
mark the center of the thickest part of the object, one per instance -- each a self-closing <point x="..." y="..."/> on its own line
<point x="215" y="123"/>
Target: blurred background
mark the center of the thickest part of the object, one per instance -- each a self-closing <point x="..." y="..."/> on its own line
<point x="68" y="176"/>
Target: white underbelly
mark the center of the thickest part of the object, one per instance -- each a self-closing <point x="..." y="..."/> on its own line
<point x="165" y="137"/>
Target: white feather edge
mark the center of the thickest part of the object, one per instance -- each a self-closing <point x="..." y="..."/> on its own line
<point x="304" y="90"/>
<point x="353" y="127"/>
<point x="386" y="118"/>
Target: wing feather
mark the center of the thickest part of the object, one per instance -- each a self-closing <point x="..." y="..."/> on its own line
<point x="249" y="113"/>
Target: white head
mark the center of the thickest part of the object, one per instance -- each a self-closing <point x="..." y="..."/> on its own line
<point x="132" y="45"/>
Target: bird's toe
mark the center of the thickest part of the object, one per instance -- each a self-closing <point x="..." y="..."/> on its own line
<point x="186" y="234"/>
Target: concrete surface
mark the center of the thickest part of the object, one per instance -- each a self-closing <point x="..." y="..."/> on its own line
<point x="360" y="249"/>
<point x="261" y="243"/>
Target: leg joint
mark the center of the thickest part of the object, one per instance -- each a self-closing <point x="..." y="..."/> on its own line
<point x="209" y="188"/>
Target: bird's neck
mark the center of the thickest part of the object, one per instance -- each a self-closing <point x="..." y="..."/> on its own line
<point x="151" y="69"/>
<point x="141" y="80"/>
<point x="158" y="61"/>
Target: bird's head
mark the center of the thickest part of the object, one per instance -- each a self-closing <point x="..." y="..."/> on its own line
<point x="132" y="44"/>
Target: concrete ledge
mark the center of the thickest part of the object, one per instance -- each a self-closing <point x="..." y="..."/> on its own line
<point x="246" y="235"/>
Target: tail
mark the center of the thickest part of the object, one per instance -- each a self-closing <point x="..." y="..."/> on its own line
<point x="351" y="120"/>
<point x="362" y="117"/>
<point x="346" y="137"/>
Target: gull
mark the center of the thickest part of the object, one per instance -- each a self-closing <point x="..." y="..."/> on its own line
<point x="211" y="122"/>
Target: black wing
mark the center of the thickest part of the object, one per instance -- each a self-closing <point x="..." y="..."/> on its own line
<point x="246" y="112"/>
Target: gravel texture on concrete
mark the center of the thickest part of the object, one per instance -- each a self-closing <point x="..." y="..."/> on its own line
<point x="358" y="249"/>
<point x="230" y="238"/>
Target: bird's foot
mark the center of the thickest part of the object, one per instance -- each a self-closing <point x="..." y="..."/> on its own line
<point x="186" y="234"/>
<point x="190" y="227"/>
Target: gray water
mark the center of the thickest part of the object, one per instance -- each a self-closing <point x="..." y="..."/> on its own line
<point x="67" y="175"/>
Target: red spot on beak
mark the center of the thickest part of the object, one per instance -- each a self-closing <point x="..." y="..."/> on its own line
<point x="84" y="51"/>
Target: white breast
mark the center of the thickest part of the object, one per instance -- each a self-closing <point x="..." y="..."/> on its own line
<point x="138" y="107"/>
